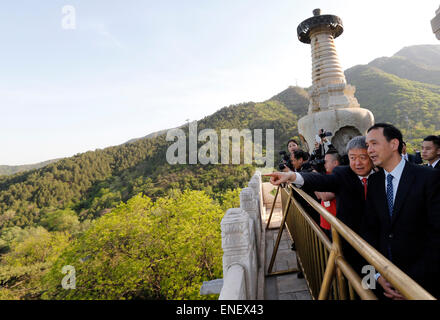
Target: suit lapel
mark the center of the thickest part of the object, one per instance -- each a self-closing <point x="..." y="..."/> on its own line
<point x="359" y="188"/>
<point x="405" y="184"/>
<point x="380" y="197"/>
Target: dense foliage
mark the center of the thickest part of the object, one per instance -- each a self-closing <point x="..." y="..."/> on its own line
<point x="142" y="249"/>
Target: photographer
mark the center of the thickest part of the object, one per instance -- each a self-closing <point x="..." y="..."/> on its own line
<point x="299" y="161"/>
<point x="292" y="146"/>
<point x="285" y="164"/>
<point x="322" y="145"/>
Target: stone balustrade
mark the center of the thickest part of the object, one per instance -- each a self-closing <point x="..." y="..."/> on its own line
<point x="241" y="243"/>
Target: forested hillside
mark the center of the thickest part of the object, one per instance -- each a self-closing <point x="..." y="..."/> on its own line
<point x="417" y="63"/>
<point x="135" y="226"/>
<point x="94" y="181"/>
<point x="9" y="170"/>
<point x="413" y="106"/>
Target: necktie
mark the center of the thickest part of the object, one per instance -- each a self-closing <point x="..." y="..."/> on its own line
<point x="390" y="193"/>
<point x="364" y="182"/>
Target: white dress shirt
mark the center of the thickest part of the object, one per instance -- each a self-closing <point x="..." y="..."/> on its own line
<point x="434" y="163"/>
<point x="396" y="173"/>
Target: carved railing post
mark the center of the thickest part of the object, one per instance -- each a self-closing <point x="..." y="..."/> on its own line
<point x="239" y="248"/>
<point x="256" y="185"/>
<point x="249" y="204"/>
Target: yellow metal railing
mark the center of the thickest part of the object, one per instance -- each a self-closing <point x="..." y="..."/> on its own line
<point x="328" y="274"/>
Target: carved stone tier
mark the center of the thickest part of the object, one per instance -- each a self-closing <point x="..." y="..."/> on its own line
<point x="329" y="22"/>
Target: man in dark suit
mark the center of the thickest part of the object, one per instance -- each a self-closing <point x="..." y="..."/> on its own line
<point x="431" y="151"/>
<point x="402" y="216"/>
<point x="349" y="183"/>
<point x="411" y="158"/>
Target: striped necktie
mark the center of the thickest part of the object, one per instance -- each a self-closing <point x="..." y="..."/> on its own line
<point x="390" y="194"/>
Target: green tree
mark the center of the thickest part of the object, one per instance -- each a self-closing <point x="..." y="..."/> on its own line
<point x="22" y="269"/>
<point x="145" y="250"/>
<point x="60" y="220"/>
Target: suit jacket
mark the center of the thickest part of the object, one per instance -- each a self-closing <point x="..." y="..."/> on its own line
<point x="415" y="158"/>
<point x="437" y="165"/>
<point x="411" y="237"/>
<point x="350" y="196"/>
<point x="313" y="214"/>
<point x="350" y="202"/>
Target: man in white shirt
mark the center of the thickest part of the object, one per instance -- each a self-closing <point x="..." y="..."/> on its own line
<point x="403" y="211"/>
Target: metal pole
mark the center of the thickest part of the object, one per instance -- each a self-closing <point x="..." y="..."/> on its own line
<point x="275" y="250"/>
<point x="273" y="206"/>
<point x="328" y="276"/>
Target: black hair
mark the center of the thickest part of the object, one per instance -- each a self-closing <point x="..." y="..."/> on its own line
<point x="300" y="154"/>
<point x="434" y="139"/>
<point x="336" y="156"/>
<point x="390" y="132"/>
<point x="292" y="140"/>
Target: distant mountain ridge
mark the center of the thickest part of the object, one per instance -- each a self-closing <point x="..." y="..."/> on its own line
<point x="418" y="63"/>
<point x="424" y="55"/>
<point x="8" y="170"/>
<point x="148" y="136"/>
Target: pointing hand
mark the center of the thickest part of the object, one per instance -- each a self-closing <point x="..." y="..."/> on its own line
<point x="277" y="178"/>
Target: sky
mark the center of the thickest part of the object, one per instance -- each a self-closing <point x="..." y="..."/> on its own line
<point x="88" y="74"/>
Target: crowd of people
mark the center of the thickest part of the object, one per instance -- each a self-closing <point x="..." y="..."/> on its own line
<point x="388" y="197"/>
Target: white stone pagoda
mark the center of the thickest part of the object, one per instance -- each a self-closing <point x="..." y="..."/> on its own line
<point x="333" y="106"/>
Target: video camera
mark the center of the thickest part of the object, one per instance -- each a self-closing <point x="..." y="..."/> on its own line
<point x="319" y="152"/>
<point x="315" y="164"/>
<point x="317" y="161"/>
<point x="322" y="134"/>
<point x="285" y="161"/>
